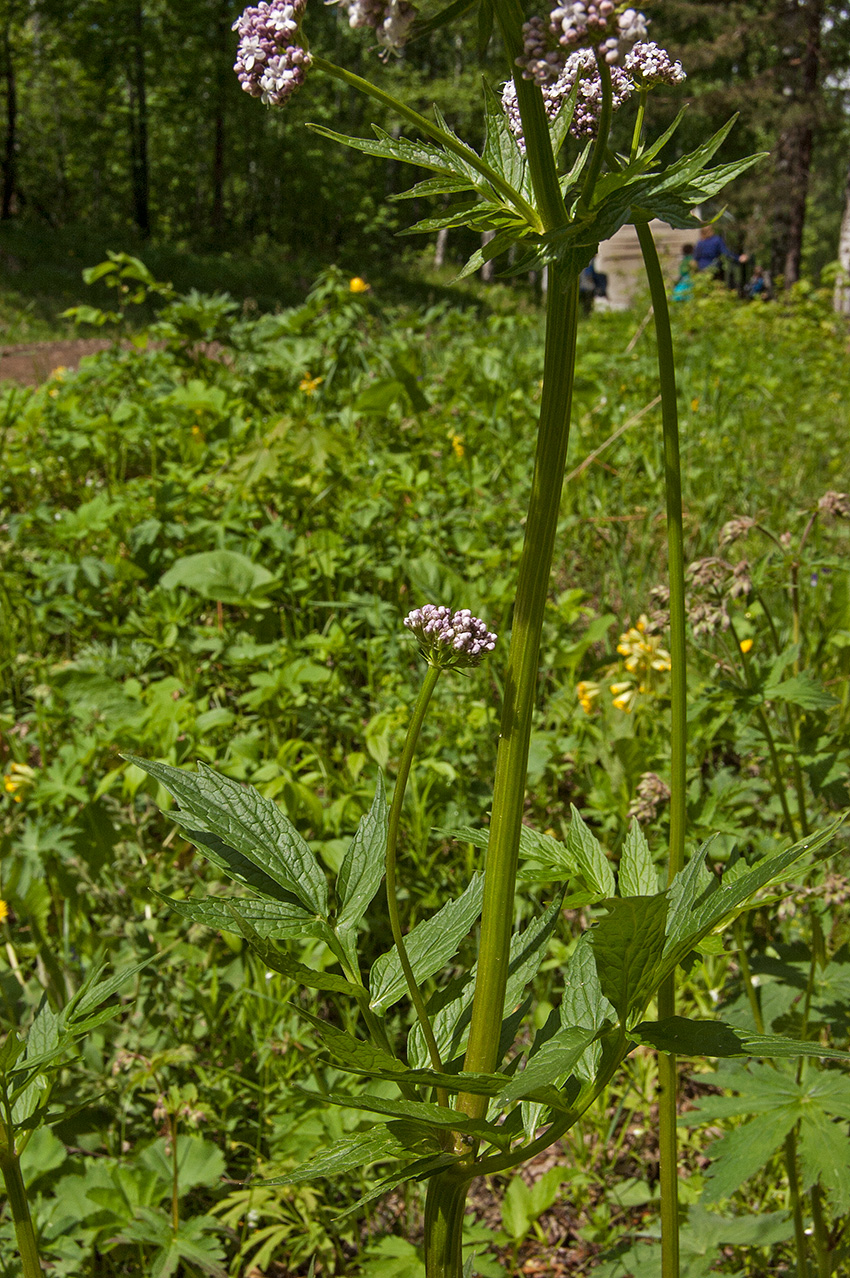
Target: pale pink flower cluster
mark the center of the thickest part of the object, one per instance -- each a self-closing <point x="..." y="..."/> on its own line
<point x="589" y="103"/>
<point x="271" y="63"/>
<point x="577" y="24"/>
<point x="391" y="20"/>
<point x="450" y="639"/>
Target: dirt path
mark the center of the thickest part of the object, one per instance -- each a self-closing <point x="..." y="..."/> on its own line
<point x="33" y="363"/>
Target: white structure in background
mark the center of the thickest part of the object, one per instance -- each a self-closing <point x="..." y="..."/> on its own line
<point x="620" y="259"/>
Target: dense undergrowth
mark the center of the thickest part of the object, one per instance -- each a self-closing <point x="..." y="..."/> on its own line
<point x="209" y="538"/>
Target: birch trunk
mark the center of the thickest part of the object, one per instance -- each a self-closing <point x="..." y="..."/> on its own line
<point x="841" y="298"/>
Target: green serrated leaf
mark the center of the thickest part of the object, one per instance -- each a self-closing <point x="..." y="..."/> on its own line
<point x="500" y="243"/>
<point x="429" y="946"/>
<point x="501" y="149"/>
<point x="686" y="1037"/>
<point x="362" y="868"/>
<point x="824" y="1151"/>
<point x="272" y="920"/>
<point x="741" y="1153"/>
<point x="551" y="1064"/>
<point x="717" y="903"/>
<point x="359" y="1150"/>
<point x="425" y="1115"/>
<point x="252" y="825"/>
<point x="587" y="853"/>
<point x="802" y="690"/>
<point x="627" y="946"/>
<point x="637" y="874"/>
<point x="280" y="961"/>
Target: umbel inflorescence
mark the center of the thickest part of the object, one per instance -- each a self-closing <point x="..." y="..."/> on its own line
<point x="450" y="640"/>
<point x="271" y="61"/>
<point x="643" y="67"/>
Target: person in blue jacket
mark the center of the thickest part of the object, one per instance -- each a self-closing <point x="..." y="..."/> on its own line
<point x="711" y="250"/>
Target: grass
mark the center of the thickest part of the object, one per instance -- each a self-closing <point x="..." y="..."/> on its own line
<point x="210" y="559"/>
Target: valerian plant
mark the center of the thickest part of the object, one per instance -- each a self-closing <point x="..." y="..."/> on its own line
<point x="473" y="1097"/>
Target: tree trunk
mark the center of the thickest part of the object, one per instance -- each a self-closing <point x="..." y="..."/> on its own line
<point x="440" y="247"/>
<point x="795" y="149"/>
<point x="139" y="171"/>
<point x="488" y="268"/>
<point x="222" y="73"/>
<point x="841" y="298"/>
<point x="10" y="150"/>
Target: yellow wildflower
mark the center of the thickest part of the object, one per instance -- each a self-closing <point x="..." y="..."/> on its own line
<point x="58" y="374"/>
<point x="357" y="285"/>
<point x="625" y="695"/>
<point x="694" y="405"/>
<point x="18" y="778"/>
<point x="746" y="644"/>
<point x="587" y="692"/>
<point x="4" y="911"/>
<point x="457" y="445"/>
<point x="643" y="652"/>
<point x="197" y="432"/>
<point x="308" y="384"/>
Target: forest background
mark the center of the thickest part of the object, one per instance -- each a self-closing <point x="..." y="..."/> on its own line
<point x="123" y="126"/>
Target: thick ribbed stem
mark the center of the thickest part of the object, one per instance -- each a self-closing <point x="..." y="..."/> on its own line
<point x="667" y="1076"/>
<point x="10" y="1166"/>
<point x="520" y="692"/>
<point x="444" y="1210"/>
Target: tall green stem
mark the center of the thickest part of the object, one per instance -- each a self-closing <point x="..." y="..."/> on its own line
<point x="10" y="1166"/>
<point x="444" y="1209"/>
<point x="520" y="690"/>
<point x="601" y="144"/>
<point x="429" y="683"/>
<point x="667" y="1075"/>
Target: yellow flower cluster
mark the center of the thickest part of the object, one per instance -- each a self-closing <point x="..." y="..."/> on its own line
<point x="308" y="384"/>
<point x="4" y="911"/>
<point x="644" y="661"/>
<point x="457" y="446"/>
<point x="357" y="285"/>
<point x="18" y="779"/>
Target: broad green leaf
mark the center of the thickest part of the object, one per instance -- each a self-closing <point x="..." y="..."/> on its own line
<point x="361" y="1056"/>
<point x="501" y="150"/>
<point x="803" y="690"/>
<point x="548" y="1066"/>
<point x="720" y="902"/>
<point x="421" y="1169"/>
<point x="199" y="1162"/>
<point x="627" y="945"/>
<point x="429" y="947"/>
<point x="423" y="1113"/>
<point x="500" y="243"/>
<point x="583" y="1003"/>
<point x="559" y="127"/>
<point x="360" y="1150"/>
<point x="824" y="1150"/>
<point x="688" y="886"/>
<point x="363" y="865"/>
<point x="435" y="186"/>
<point x="272" y="920"/>
<point x="421" y="154"/>
<point x="279" y="961"/>
<point x="451" y="1009"/>
<point x="686" y="1037"/>
<point x="637" y="874"/>
<point x="223" y="575"/>
<point x="252" y="825"/>
<point x="741" y="1153"/>
<point x="589" y="856"/>
<point x="686" y="169"/>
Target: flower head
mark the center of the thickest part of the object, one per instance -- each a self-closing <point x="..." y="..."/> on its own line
<point x="308" y="384"/>
<point x="18" y="779"/>
<point x="578" y="66"/>
<point x="4" y="911"/>
<point x="587" y="691"/>
<point x="391" y="20"/>
<point x="450" y="640"/>
<point x="649" y="64"/>
<point x="835" y="504"/>
<point x="271" y="63"/>
<point x="651" y="793"/>
<point x="577" y="24"/>
<point x="357" y="285"/>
